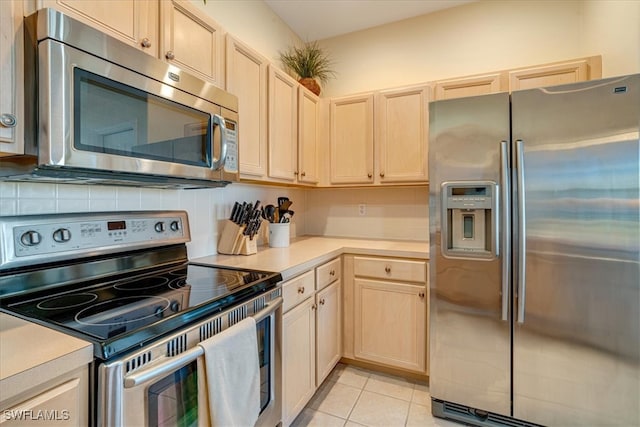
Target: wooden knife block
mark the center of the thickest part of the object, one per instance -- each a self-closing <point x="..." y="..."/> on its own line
<point x="233" y="242"/>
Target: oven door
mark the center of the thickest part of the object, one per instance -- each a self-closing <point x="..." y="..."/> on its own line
<point x="94" y="114"/>
<point x="167" y="393"/>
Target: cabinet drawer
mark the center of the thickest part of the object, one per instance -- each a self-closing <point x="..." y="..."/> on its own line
<point x="297" y="290"/>
<point x="328" y="273"/>
<point x="391" y="269"/>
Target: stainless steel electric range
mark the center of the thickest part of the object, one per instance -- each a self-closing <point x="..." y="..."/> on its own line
<point x="122" y="281"/>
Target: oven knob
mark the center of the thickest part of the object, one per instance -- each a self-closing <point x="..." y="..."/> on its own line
<point x="175" y="306"/>
<point x="175" y="226"/>
<point x="159" y="311"/>
<point x="62" y="235"/>
<point x="30" y="238"/>
<point x="160" y="227"/>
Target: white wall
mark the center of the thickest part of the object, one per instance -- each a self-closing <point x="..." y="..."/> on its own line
<point x="486" y="36"/>
<point x="252" y="22"/>
<point x="390" y="213"/>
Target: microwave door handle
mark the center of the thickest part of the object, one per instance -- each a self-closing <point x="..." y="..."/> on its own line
<point x="216" y="120"/>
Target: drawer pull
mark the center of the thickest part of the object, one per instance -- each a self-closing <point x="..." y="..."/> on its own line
<point x="301" y="290"/>
<point x="332" y="273"/>
<point x="322" y="301"/>
<point x="387" y="269"/>
<point x="421" y="294"/>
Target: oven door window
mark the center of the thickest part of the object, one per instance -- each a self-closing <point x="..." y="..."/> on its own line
<point x="114" y="118"/>
<point x="264" y="360"/>
<point x="173" y="401"/>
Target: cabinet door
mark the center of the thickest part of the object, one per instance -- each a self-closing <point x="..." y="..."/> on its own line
<point x="11" y="66"/>
<point x="134" y="22"/>
<point x="308" y="136"/>
<point x="298" y="359"/>
<point x="469" y="86"/>
<point x="549" y="75"/>
<point x="328" y="330"/>
<point x="247" y="79"/>
<point x="390" y="324"/>
<point x="283" y="125"/>
<point x="402" y="122"/>
<point x="352" y="140"/>
<point x="65" y="403"/>
<point x="192" y="41"/>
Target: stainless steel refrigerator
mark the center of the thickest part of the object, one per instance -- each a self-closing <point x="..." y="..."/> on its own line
<point x="535" y="264"/>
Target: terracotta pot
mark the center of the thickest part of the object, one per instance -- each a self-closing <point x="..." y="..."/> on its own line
<point x="310" y="84"/>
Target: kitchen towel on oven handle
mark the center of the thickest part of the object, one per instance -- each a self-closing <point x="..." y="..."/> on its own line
<point x="232" y="376"/>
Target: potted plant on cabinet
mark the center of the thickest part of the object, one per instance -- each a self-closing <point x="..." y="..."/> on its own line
<point x="310" y="63"/>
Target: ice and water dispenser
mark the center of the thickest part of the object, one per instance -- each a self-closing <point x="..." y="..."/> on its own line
<point x="470" y="219"/>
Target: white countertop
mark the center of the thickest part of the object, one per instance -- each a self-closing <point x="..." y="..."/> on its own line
<point x="305" y="252"/>
<point x="31" y="354"/>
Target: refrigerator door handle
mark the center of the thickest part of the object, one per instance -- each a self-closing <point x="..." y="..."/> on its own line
<point x="505" y="227"/>
<point x="522" y="244"/>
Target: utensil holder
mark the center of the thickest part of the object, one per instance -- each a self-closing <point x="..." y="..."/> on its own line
<point x="233" y="242"/>
<point x="278" y="234"/>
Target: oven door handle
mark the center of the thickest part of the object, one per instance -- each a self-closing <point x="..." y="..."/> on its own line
<point x="174" y="363"/>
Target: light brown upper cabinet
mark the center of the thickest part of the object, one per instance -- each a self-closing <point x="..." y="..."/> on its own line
<point x="351" y="139"/>
<point x="133" y="22"/>
<point x="283" y="126"/>
<point x="469" y="86"/>
<point x="192" y="40"/>
<point x="555" y="74"/>
<point x="308" y="136"/>
<point x="402" y="138"/>
<point x="247" y="79"/>
<point x="11" y="87"/>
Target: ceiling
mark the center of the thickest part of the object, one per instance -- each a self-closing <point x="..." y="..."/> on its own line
<point x="319" y="19"/>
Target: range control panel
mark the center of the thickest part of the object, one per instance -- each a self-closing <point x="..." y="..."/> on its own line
<point x="45" y="238"/>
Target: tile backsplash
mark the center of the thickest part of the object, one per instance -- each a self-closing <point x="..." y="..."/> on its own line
<point x="207" y="208"/>
<point x="387" y="213"/>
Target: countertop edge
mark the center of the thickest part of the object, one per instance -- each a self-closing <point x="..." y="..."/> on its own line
<point x="307" y="252"/>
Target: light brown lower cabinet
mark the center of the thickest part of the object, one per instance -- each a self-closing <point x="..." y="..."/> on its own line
<point x="298" y="359"/>
<point x="59" y="402"/>
<point x="390" y="324"/>
<point x="386" y="305"/>
<point x="311" y="335"/>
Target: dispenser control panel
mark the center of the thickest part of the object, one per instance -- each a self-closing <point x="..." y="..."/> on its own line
<point x="469" y="219"/>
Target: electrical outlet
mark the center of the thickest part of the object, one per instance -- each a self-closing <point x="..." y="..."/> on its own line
<point x="362" y="210"/>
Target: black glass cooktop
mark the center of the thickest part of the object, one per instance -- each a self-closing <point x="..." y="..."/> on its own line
<point x="121" y="313"/>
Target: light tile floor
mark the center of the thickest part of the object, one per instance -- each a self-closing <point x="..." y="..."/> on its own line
<point x="352" y="397"/>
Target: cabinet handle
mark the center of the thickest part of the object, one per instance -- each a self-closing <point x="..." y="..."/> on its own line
<point x="369" y="175"/>
<point x="332" y="273"/>
<point x="303" y="173"/>
<point x="145" y="42"/>
<point x="387" y="269"/>
<point x="322" y="301"/>
<point x="301" y="290"/>
<point x="8" y="120"/>
<point x="421" y="294"/>
<point x="296" y="173"/>
<point x="381" y="174"/>
<point x="314" y="307"/>
<point x="170" y="56"/>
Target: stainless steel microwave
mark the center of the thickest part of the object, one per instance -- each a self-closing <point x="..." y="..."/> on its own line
<point x="107" y="113"/>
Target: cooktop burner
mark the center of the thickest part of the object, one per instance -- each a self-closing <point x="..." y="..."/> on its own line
<point x="109" y="312"/>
